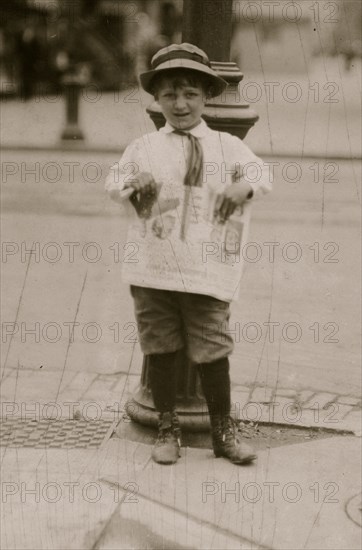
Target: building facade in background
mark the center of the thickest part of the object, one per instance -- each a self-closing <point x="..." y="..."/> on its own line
<point x="108" y="42"/>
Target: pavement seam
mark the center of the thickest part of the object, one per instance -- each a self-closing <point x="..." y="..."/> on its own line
<point x="226" y="532"/>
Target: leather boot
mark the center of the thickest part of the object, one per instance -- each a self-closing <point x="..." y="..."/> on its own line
<point x="226" y="443"/>
<point x="167" y="447"/>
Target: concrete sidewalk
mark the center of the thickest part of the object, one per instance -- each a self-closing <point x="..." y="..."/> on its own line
<point x="112" y="496"/>
<point x="303" y="496"/>
<point x="314" y="114"/>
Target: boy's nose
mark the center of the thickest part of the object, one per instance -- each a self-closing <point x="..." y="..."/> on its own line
<point x="180" y="103"/>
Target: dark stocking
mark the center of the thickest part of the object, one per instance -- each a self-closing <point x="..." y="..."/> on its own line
<point x="215" y="382"/>
<point x="162" y="377"/>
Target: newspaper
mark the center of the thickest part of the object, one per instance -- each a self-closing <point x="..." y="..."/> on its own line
<point x="179" y="243"/>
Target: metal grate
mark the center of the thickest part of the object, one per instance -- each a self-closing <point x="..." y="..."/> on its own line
<point x="56" y="434"/>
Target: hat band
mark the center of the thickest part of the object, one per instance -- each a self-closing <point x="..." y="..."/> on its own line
<point x="179" y="55"/>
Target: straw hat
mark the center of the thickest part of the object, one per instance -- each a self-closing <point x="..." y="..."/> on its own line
<point x="182" y="56"/>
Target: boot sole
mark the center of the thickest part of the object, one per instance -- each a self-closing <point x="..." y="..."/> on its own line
<point x="165" y="462"/>
<point x="245" y="460"/>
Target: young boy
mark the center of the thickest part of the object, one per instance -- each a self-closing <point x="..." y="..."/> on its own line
<point x="179" y="184"/>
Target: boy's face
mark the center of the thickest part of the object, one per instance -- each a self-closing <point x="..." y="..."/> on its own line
<point x="183" y="105"/>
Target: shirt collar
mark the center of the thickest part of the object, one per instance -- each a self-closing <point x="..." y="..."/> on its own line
<point x="199" y="131"/>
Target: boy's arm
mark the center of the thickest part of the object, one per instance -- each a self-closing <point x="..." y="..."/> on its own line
<point x="142" y="183"/>
<point x="125" y="177"/>
<point x="116" y="181"/>
<point x="254" y="171"/>
<point x="235" y="195"/>
<point x="120" y="196"/>
<point x="251" y="179"/>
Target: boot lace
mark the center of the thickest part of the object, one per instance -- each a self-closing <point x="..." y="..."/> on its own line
<point x="169" y="429"/>
<point x="228" y="428"/>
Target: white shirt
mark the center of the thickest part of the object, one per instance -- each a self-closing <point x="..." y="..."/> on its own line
<point x="201" y="263"/>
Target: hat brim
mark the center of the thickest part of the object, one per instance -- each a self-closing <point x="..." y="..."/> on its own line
<point x="217" y="83"/>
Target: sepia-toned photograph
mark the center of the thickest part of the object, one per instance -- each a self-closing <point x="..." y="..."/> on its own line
<point x="181" y="274"/>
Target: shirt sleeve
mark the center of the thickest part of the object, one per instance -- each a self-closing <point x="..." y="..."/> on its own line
<point x="125" y="169"/>
<point x="250" y="168"/>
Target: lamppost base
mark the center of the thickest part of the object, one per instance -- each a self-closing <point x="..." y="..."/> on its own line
<point x="191" y="421"/>
<point x="72" y="88"/>
<point x="192" y="413"/>
<point x="190" y="403"/>
<point x="72" y="132"/>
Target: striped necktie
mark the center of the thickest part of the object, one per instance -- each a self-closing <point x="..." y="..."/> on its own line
<point x="193" y="176"/>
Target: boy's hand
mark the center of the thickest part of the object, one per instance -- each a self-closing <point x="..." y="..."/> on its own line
<point x="235" y="195"/>
<point x="145" y="194"/>
<point x="143" y="183"/>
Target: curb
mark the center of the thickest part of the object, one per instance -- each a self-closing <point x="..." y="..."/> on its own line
<point x="305" y="409"/>
<point x="75" y="147"/>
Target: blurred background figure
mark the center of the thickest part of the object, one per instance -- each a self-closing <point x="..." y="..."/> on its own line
<point x="6" y="65"/>
<point x="156" y="29"/>
<point x="29" y="57"/>
<point x="147" y="42"/>
<point x="170" y="22"/>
